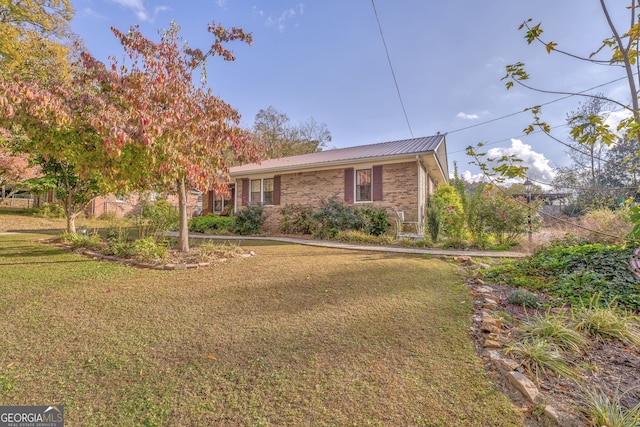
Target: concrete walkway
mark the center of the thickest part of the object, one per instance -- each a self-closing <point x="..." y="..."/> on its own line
<point x="362" y="247"/>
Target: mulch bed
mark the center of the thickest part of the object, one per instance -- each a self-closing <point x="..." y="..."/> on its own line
<point x="609" y="366"/>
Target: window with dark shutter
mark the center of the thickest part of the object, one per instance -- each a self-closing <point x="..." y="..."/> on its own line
<point x="363" y="185"/>
<point x="348" y="185"/>
<point x="377" y="183"/>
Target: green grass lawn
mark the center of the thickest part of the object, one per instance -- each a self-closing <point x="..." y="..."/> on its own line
<point x="294" y="336"/>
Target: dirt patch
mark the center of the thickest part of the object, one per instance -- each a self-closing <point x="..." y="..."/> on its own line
<point x="609" y="366"/>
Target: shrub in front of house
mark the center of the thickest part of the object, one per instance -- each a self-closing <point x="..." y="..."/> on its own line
<point x="296" y="219"/>
<point x="155" y="217"/>
<point x="376" y="220"/>
<point x="249" y="220"/>
<point x="211" y="224"/>
<point x="447" y="203"/>
<point x="334" y="215"/>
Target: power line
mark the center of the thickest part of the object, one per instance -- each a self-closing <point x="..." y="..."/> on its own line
<point x="391" y="66"/>
<point x="506" y="116"/>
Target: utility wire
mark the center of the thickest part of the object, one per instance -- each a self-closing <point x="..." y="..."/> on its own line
<point x="391" y="66"/>
<point x="506" y="116"/>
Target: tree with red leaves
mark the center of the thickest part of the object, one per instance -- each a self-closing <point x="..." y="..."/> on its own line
<point x="15" y="169"/>
<point x="174" y="133"/>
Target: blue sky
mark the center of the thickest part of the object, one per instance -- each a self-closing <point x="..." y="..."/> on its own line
<point x="325" y="59"/>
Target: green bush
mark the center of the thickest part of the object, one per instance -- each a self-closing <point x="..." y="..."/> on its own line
<point x="335" y="215"/>
<point x="296" y="219"/>
<point x="433" y="224"/>
<point x="249" y="220"/>
<point x="49" y="210"/>
<point x="211" y="224"/>
<point x="447" y="203"/>
<point x="155" y="218"/>
<point x="75" y="240"/>
<point x="148" y="250"/>
<point x="577" y="273"/>
<point x="376" y="220"/>
<point x="525" y="298"/>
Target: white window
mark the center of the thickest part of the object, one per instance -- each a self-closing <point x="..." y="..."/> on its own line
<point x="363" y="185"/>
<point x="262" y="191"/>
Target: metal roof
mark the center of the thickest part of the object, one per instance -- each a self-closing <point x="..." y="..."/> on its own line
<point x="414" y="146"/>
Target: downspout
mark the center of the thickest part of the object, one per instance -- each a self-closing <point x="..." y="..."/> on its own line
<point x="235" y="196"/>
<point x="419" y="165"/>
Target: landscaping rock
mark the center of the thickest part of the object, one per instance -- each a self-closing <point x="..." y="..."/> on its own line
<point x="485" y="290"/>
<point x="524" y="385"/>
<point x="490" y="324"/>
<point x="463" y="260"/>
<point x="507" y="365"/>
<point x="492" y="344"/>
<point x="553" y="416"/>
<point x="499" y="338"/>
<point x="490" y="304"/>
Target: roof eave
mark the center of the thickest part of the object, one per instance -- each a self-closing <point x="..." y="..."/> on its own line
<point x="312" y="166"/>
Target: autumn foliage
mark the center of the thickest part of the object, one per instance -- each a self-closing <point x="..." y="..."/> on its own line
<point x="182" y="134"/>
<point x="144" y="124"/>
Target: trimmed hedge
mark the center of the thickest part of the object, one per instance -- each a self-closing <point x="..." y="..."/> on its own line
<point x="211" y="224"/>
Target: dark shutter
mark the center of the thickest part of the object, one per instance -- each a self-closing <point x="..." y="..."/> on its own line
<point x="245" y="192"/>
<point x="210" y="198"/>
<point x="276" y="190"/>
<point x="377" y="183"/>
<point x="348" y="185"/>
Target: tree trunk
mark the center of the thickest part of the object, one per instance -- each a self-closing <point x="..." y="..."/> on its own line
<point x="70" y="214"/>
<point x="183" y="232"/>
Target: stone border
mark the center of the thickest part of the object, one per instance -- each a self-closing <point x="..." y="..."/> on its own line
<point x="134" y="263"/>
<point x="495" y="339"/>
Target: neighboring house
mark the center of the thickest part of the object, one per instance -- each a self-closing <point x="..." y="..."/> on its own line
<point x="122" y="206"/>
<point x="396" y="175"/>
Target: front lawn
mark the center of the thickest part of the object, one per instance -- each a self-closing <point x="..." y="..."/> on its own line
<point x="295" y="335"/>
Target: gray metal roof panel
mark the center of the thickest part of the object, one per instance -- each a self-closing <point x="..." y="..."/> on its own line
<point x="380" y="150"/>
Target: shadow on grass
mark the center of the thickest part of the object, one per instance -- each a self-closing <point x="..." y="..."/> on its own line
<point x="47" y="262"/>
<point x="39" y="231"/>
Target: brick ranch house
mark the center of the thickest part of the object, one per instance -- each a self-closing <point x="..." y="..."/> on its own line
<point x="395" y="175"/>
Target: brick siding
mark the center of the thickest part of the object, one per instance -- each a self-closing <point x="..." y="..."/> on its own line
<point x="399" y="188"/>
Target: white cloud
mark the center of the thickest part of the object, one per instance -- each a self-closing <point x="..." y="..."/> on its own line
<point x="615" y="117"/>
<point x="468" y="176"/>
<point x="280" y="21"/>
<point x="538" y="165"/>
<point x="466" y="116"/>
<point x="90" y="12"/>
<point x="137" y="6"/>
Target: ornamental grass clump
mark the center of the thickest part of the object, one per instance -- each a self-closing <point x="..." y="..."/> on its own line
<point x="606" y="322"/>
<point x="540" y="357"/>
<point x="555" y="330"/>
<point x="607" y="410"/>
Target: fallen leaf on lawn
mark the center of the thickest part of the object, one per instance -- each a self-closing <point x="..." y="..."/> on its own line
<point x="211" y="357"/>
